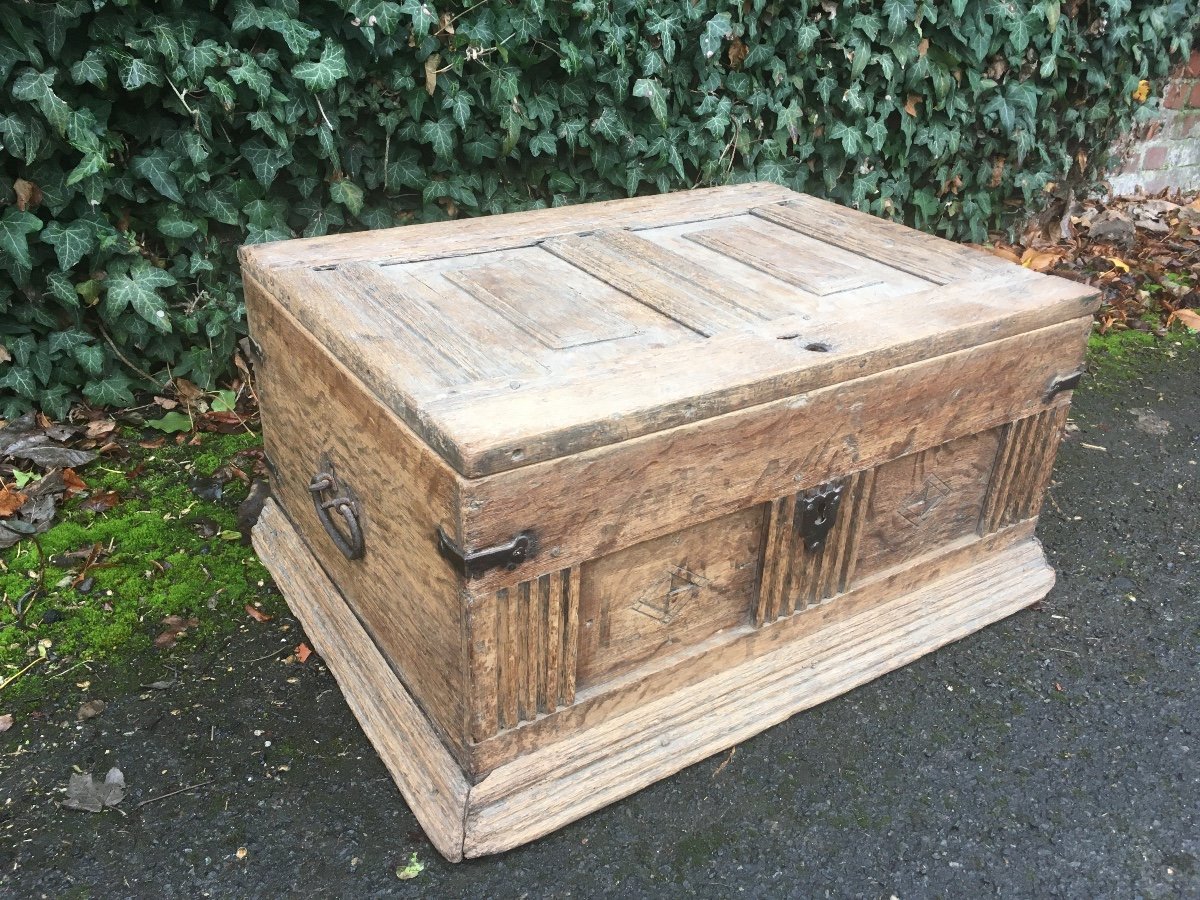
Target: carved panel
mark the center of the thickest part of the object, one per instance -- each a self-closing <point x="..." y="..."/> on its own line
<point x="666" y="594"/>
<point x="796" y="578"/>
<point x="523" y="651"/>
<point x="1023" y="464"/>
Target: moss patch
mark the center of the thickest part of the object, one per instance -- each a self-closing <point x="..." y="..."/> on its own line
<point x="1115" y="357"/>
<point x="163" y="552"/>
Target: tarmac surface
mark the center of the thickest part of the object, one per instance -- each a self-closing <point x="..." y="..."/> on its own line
<point x="1055" y="754"/>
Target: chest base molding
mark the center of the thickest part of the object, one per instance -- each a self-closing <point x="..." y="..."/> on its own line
<point x="530" y="796"/>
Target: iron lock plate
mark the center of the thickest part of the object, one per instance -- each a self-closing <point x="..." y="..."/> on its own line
<point x="816" y="513"/>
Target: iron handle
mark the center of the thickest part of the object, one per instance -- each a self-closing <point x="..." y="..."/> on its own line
<point x="1064" y="383"/>
<point x="349" y="537"/>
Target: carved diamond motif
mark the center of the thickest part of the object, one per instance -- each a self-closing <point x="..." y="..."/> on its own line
<point x="917" y="506"/>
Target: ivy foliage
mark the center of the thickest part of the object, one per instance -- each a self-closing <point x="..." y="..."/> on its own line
<point x="142" y="142"/>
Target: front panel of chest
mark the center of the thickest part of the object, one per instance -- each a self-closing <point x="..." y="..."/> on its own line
<point x="564" y="650"/>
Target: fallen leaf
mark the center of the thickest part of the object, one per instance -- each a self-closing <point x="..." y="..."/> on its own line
<point x="432" y="62"/>
<point x="5" y="356"/>
<point x="257" y="614"/>
<point x="6" y="722"/>
<point x="28" y="194"/>
<point x="414" y="868"/>
<point x="242" y="852"/>
<point x="911" y="106"/>
<point x="90" y="710"/>
<point x="171" y="423"/>
<point x="738" y="51"/>
<point x="187" y="391"/>
<point x="101" y="501"/>
<point x="303" y="652"/>
<point x="1189" y="317"/>
<point x="10" y="502"/>
<point x="1142" y="92"/>
<point x="152" y="444"/>
<point x="1118" y="263"/>
<point x="164" y="403"/>
<point x="39" y="449"/>
<point x="997" y="172"/>
<point x="74" y="483"/>
<point x="83" y="793"/>
<point x="1040" y="260"/>
<point x="176" y="627"/>
<point x="100" y="428"/>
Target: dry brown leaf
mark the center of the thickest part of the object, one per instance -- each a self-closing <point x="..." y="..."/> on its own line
<point x="997" y="171"/>
<point x="445" y="24"/>
<point x="187" y="391"/>
<point x="911" y="106"/>
<point x="1040" y="260"/>
<point x="6" y="722"/>
<point x="102" y="501"/>
<point x="432" y="62"/>
<point x="1189" y="317"/>
<point x="152" y="444"/>
<point x="5" y="356"/>
<point x="28" y="194"/>
<point x="90" y="710"/>
<point x="923" y="47"/>
<point x="738" y="52"/>
<point x="303" y="652"/>
<point x="74" y="483"/>
<point x="257" y="614"/>
<point x="10" y="502"/>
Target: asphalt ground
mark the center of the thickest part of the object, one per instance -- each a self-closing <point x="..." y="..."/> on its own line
<point x="1055" y="754"/>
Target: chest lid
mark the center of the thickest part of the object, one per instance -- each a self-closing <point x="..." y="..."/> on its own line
<point x="509" y="340"/>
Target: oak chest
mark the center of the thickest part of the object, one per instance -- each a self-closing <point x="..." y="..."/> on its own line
<point x="571" y="499"/>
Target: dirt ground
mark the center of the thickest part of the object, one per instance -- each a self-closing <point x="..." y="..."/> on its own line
<point x="1056" y="754"/>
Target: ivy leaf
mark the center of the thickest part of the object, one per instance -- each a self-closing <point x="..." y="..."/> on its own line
<point x="112" y="390"/>
<point x="265" y="162"/>
<point x="650" y="89"/>
<point x="323" y="74"/>
<point x="90" y="358"/>
<point x="422" y="15"/>
<point x="71" y="242"/>
<point x="155" y="167"/>
<point x="136" y="73"/>
<point x="899" y="14"/>
<point x="543" y="142"/>
<point x="14" y="243"/>
<point x="20" y="380"/>
<point x="347" y="193"/>
<point x="439" y="135"/>
<point x="715" y="31"/>
<point x="137" y="290"/>
<point x="90" y="69"/>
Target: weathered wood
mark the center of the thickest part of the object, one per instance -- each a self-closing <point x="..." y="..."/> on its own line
<point x="430" y="779"/>
<point x="670" y="672"/>
<point x="545" y="790"/>
<point x="404" y="593"/>
<point x="653" y="485"/>
<point x="502" y="232"/>
<point x="644" y="393"/>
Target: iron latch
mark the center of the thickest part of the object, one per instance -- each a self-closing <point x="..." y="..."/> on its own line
<point x="816" y="512"/>
<point x="472" y="565"/>
<point x="1064" y="383"/>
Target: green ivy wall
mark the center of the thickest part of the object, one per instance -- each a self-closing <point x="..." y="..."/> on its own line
<point x="141" y="142"/>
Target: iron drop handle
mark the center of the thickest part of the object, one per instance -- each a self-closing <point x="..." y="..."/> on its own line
<point x="349" y="537"/>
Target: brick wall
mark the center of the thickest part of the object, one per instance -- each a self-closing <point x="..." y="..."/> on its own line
<point x="1164" y="154"/>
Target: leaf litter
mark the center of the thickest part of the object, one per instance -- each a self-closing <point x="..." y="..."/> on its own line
<point x="83" y="793"/>
<point x="1141" y="253"/>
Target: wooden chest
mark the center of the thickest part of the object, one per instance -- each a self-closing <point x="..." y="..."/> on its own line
<point x="571" y="499"/>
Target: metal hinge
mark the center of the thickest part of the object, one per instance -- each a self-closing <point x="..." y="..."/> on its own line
<point x="1064" y="383"/>
<point x="473" y="564"/>
<point x="816" y="512"/>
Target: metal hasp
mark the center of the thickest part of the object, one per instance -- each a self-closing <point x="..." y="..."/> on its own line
<point x="1064" y="383"/>
<point x="472" y="565"/>
<point x="816" y="511"/>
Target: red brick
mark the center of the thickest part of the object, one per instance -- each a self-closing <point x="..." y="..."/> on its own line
<point x="1187" y="126"/>
<point x="1155" y="158"/>
<point x="1173" y="98"/>
<point x="1194" y="100"/>
<point x="1194" y="66"/>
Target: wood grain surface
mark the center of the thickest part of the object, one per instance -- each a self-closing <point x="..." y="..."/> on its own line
<point x="546" y="789"/>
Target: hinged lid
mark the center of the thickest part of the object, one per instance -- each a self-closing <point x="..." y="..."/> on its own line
<point x="508" y="340"/>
